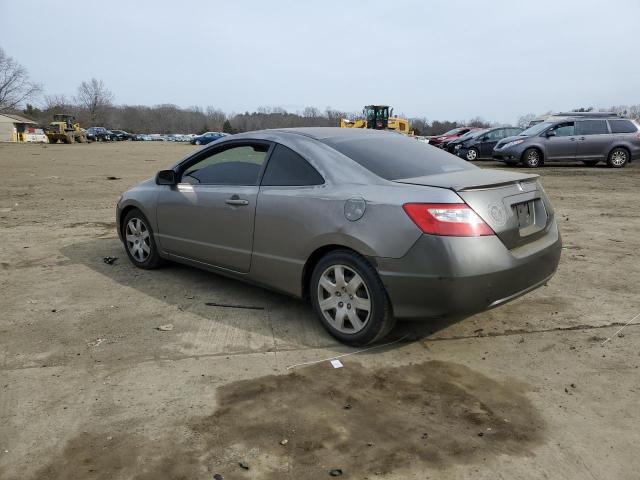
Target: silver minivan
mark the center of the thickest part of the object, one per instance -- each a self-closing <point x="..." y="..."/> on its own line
<point x="589" y="140"/>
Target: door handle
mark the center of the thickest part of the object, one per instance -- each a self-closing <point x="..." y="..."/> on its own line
<point x="236" y="200"/>
<point x="572" y="139"/>
<point x="582" y="138"/>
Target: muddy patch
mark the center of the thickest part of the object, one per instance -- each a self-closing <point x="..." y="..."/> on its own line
<point x="306" y="423"/>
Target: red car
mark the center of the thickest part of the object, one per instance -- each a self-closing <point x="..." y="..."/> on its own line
<point x="447" y="136"/>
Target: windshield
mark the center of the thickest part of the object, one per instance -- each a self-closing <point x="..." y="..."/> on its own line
<point x="393" y="157"/>
<point x="535" y="130"/>
<point x="452" y="132"/>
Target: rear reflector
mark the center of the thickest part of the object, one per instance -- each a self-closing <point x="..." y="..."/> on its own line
<point x="450" y="219"/>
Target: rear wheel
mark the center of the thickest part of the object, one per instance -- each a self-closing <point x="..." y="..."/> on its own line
<point x="139" y="241"/>
<point x="349" y="298"/>
<point x="590" y="163"/>
<point x="532" y="158"/>
<point x="618" y="158"/>
<point x="472" y="154"/>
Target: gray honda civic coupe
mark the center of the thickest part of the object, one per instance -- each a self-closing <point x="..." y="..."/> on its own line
<point x="369" y="225"/>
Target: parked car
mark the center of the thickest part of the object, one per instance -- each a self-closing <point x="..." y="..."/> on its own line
<point x="481" y="146"/>
<point x="450" y="135"/>
<point x="370" y="225"/>
<point x="99" y="134"/>
<point x="121" y="135"/>
<point x="590" y="140"/>
<point x="450" y="145"/>
<point x="206" y="138"/>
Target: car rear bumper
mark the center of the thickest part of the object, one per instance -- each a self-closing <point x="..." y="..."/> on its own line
<point x="446" y="276"/>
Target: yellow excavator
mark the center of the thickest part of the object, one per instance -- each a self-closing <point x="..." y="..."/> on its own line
<point x="65" y="128"/>
<point x="379" y="117"/>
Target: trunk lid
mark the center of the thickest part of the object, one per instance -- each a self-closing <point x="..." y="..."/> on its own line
<point x="513" y="204"/>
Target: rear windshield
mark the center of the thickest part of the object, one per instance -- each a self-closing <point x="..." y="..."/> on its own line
<point x="394" y="157"/>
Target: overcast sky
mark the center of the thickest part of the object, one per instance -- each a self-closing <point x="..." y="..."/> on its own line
<point x="440" y="59"/>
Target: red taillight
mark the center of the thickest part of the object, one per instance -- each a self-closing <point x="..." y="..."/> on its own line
<point x="451" y="219"/>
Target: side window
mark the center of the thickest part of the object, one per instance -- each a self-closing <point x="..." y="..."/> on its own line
<point x="564" y="129"/>
<point x="286" y="167"/>
<point x="622" y="126"/>
<point x="592" y="127"/>
<point x="496" y="134"/>
<point x="239" y="165"/>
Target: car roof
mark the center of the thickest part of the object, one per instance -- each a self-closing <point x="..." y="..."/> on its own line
<point x="317" y="133"/>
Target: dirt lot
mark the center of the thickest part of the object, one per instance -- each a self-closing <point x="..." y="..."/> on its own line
<point x="90" y="389"/>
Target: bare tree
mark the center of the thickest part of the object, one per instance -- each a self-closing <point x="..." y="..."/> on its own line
<point x="15" y="86"/>
<point x="524" y="120"/>
<point x="56" y="102"/>
<point x="96" y="98"/>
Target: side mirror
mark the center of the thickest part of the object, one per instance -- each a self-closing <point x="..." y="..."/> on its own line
<point x="166" y="177"/>
<point x="484" y="139"/>
<point x="550" y="133"/>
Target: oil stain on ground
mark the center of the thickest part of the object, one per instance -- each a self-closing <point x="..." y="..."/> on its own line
<point x="363" y="421"/>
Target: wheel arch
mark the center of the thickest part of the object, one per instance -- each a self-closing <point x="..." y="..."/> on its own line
<point x="123" y="214"/>
<point x="316" y="256"/>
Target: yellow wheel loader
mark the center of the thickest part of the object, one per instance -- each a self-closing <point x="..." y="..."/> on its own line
<point x="378" y="117"/>
<point x="65" y="129"/>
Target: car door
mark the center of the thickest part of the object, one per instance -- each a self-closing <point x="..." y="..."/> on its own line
<point x="489" y="141"/>
<point x="209" y="215"/>
<point x="594" y="139"/>
<point x="560" y="142"/>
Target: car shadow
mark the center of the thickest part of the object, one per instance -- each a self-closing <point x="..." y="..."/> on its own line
<point x="229" y="304"/>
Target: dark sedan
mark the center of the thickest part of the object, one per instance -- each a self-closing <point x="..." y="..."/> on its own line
<point x="369" y="225"/>
<point x="206" y="138"/>
<point x="481" y="146"/>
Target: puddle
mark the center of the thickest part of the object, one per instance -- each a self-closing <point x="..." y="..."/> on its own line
<point x="362" y="421"/>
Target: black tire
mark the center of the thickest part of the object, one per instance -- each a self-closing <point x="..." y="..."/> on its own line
<point x="590" y="163"/>
<point x="532" y="158"/>
<point x="153" y="259"/>
<point x="380" y="320"/>
<point x="472" y="154"/>
<point x="198" y="142"/>
<point x="618" y="158"/>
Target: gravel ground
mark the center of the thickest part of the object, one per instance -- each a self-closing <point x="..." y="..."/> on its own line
<point x="90" y="389"/>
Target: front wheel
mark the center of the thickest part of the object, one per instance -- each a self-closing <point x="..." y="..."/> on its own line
<point x="472" y="154"/>
<point x="349" y="298"/>
<point x="532" y="158"/>
<point x="198" y="142"/>
<point x="139" y="241"/>
<point x="618" y="158"/>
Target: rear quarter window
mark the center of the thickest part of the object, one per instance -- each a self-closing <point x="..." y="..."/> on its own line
<point x="287" y="168"/>
<point x="394" y="157"/>
<point x="622" y="126"/>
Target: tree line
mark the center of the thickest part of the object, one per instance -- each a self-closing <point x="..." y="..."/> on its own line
<point x="94" y="105"/>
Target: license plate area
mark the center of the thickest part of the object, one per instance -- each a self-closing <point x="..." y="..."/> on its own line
<point x="531" y="216"/>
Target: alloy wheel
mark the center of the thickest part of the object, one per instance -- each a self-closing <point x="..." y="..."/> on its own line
<point x="138" y="239"/>
<point x="533" y="158"/>
<point x="472" y="154"/>
<point x="618" y="158"/>
<point x="344" y="299"/>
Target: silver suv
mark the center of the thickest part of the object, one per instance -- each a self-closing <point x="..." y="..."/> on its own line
<point x="589" y="140"/>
